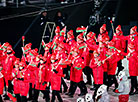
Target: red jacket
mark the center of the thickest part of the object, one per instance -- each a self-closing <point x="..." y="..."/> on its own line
<point x="23" y="84"/>
<point x="7" y="65"/>
<point x="77" y="69"/>
<point x="97" y="71"/>
<point x="102" y="52"/>
<point x="41" y="78"/>
<point x="91" y="44"/>
<point x="133" y="69"/>
<point x="32" y="71"/>
<point x="1" y="80"/>
<point x="120" y="42"/>
<point x="16" y="82"/>
<point x="112" y="63"/>
<point x="55" y="78"/>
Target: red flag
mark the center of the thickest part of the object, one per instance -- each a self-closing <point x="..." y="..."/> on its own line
<point x="23" y="38"/>
<point x="43" y="43"/>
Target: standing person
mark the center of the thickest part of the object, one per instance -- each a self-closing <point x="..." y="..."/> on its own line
<point x="76" y="76"/>
<point x="1" y="82"/>
<point x="59" y="19"/>
<point x="32" y="67"/>
<point x="97" y="68"/>
<point x="1" y="74"/>
<point x="91" y="45"/>
<point x="23" y="77"/>
<point x="120" y="44"/>
<point x="55" y="78"/>
<point x="41" y="84"/>
<point x="7" y="65"/>
<point x="114" y="57"/>
<point x="16" y="82"/>
<point x="132" y="58"/>
<point x="43" y="20"/>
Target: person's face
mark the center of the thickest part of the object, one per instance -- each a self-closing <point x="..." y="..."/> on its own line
<point x="59" y="14"/>
<point x="101" y="31"/>
<point x="46" y="48"/>
<point x="117" y="31"/>
<point x="95" y="55"/>
<point x="68" y="35"/>
<point x="44" y="13"/>
<point x="16" y="65"/>
<point x="88" y="37"/>
<point x="37" y="59"/>
<point x="41" y="61"/>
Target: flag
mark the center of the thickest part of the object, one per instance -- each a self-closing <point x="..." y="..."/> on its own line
<point x="23" y="38"/>
<point x="43" y="43"/>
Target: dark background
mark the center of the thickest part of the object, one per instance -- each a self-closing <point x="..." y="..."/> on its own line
<point x="12" y="29"/>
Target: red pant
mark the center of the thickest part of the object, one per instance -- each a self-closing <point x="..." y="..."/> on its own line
<point x="1" y="86"/>
<point x="123" y="98"/>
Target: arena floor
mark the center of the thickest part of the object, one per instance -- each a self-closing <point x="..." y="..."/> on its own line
<point x="113" y="96"/>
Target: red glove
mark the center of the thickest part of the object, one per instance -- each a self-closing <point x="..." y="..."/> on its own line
<point x="111" y="21"/>
<point x="116" y="91"/>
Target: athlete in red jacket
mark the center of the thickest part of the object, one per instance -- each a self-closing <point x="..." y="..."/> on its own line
<point x="7" y="65"/>
<point x="40" y="81"/>
<point x="133" y="59"/>
<point x="76" y="76"/>
<point x="23" y="77"/>
<point x="16" y="82"/>
<point x="55" y="78"/>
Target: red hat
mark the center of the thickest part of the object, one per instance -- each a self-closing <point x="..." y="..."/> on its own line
<point x="17" y="61"/>
<point x="91" y="34"/>
<point x="57" y="30"/>
<point x="28" y="45"/>
<point x="70" y="32"/>
<point x="134" y="29"/>
<point x="9" y="48"/>
<point x="5" y="45"/>
<point x="103" y="27"/>
<point x="111" y="43"/>
<point x="36" y="49"/>
<point x="22" y="63"/>
<point x="131" y="45"/>
<point x="53" y="57"/>
<point x="118" y="28"/>
<point x="48" y="44"/>
<point x="63" y="31"/>
<point x="81" y="29"/>
<point x="80" y="36"/>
